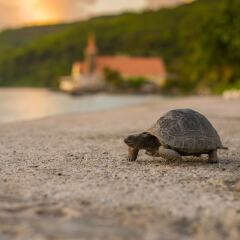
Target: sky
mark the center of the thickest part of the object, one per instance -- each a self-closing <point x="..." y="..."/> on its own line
<point x="29" y="12"/>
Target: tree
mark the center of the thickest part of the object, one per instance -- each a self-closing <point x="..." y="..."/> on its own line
<point x="219" y="49"/>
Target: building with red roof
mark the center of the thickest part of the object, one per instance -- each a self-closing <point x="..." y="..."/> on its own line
<point x="90" y="72"/>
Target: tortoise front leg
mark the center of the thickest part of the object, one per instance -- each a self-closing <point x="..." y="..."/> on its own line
<point x="169" y="154"/>
<point x="132" y="154"/>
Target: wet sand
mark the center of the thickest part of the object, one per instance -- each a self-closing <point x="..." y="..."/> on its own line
<point x="67" y="177"/>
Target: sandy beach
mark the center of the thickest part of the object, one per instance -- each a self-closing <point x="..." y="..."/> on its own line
<point x="67" y="177"/>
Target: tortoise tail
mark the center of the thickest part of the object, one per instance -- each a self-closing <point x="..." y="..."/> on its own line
<point x="222" y="147"/>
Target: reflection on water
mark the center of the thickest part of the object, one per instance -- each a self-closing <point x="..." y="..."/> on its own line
<point x="23" y="104"/>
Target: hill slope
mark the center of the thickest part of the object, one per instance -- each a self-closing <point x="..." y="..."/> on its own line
<point x="16" y="38"/>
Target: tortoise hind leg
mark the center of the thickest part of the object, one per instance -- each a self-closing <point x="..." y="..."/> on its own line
<point x="169" y="154"/>
<point x="213" y="157"/>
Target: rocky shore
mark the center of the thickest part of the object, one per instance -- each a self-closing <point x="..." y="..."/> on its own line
<point x="67" y="177"/>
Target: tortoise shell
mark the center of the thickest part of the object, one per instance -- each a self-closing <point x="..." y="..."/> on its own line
<point x="187" y="131"/>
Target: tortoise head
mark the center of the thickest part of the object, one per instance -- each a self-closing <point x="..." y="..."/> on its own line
<point x="142" y="141"/>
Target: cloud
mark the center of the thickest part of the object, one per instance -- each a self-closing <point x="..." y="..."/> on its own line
<point x="25" y="12"/>
<point x="67" y="9"/>
<point x="16" y="13"/>
<point x="165" y="3"/>
<point x="9" y="13"/>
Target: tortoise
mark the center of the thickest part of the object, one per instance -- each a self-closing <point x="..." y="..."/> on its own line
<point x="179" y="132"/>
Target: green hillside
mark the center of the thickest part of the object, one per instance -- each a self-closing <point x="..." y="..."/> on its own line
<point x="189" y="38"/>
<point x="16" y="38"/>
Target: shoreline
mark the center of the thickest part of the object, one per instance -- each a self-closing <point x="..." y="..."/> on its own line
<point x="67" y="176"/>
<point x="30" y="104"/>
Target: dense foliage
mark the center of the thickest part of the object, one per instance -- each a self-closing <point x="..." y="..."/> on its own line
<point x="200" y="43"/>
<point x="213" y="63"/>
<point x="116" y="82"/>
<point x="222" y="50"/>
<point x="19" y="37"/>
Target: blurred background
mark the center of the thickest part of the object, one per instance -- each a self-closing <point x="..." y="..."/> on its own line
<point x="77" y="47"/>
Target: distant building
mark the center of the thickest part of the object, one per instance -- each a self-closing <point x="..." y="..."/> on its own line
<point x="89" y="74"/>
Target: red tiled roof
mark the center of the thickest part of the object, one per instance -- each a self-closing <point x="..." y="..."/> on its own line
<point x="132" y="66"/>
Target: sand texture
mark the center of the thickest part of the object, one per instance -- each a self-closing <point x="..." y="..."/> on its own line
<point x="67" y="177"/>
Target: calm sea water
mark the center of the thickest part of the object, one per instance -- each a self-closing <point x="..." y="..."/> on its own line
<point x="27" y="103"/>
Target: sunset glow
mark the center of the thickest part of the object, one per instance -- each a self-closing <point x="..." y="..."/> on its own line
<point x="28" y="12"/>
<point x="38" y="12"/>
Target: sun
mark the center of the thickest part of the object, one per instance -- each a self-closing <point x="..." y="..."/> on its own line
<point x="42" y="16"/>
<point x="38" y="12"/>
